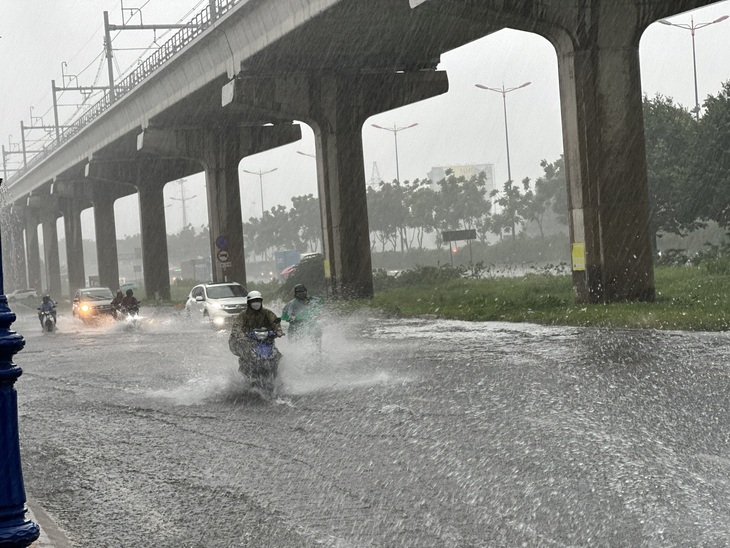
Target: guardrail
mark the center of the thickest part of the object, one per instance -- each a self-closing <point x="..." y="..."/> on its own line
<point x="167" y="50"/>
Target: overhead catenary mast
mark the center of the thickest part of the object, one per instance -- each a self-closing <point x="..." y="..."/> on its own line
<point x="183" y="199"/>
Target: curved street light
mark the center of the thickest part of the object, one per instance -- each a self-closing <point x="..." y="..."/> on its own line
<point x="395" y="131"/>
<point x="504" y="91"/>
<point x="692" y="28"/>
<point x="261" y="184"/>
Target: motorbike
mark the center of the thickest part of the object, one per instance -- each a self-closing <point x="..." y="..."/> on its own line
<point x="130" y="316"/>
<point x="47" y="321"/>
<point x="258" y="361"/>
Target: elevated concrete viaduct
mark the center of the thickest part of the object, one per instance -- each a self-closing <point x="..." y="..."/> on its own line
<point x="333" y="63"/>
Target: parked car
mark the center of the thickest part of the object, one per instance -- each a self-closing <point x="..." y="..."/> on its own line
<point x="220" y="302"/>
<point x="20" y="294"/>
<point x="90" y="303"/>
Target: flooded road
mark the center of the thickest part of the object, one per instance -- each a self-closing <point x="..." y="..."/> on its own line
<point x="402" y="433"/>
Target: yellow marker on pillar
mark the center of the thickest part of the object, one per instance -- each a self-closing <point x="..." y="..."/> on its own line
<point x="578" y="254"/>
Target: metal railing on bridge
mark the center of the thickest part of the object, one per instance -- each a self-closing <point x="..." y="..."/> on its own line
<point x="167" y="50"/>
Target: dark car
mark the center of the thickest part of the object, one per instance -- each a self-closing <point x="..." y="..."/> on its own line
<point x="92" y="303"/>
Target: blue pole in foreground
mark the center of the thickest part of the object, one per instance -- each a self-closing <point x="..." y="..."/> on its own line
<point x="16" y="530"/>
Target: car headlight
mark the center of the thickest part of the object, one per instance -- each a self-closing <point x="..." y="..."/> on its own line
<point x="84" y="308"/>
<point x="217" y="306"/>
<point x="219" y="320"/>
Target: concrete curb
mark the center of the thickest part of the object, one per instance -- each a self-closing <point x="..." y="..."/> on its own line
<point x="51" y="535"/>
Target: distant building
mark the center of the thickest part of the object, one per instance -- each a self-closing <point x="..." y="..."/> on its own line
<point x="439" y="172"/>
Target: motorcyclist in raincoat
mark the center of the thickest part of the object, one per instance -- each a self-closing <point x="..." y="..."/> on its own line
<point x="47" y="306"/>
<point x="301" y="313"/>
<point x="117" y="303"/>
<point x="254" y="317"/>
<point x="129" y="302"/>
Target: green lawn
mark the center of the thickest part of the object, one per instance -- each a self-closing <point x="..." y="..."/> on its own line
<point x="688" y="298"/>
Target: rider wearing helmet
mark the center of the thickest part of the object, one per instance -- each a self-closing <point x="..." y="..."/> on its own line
<point x="129" y="302"/>
<point x="254" y="317"/>
<point x="117" y="302"/>
<point x="47" y="306"/>
<point x="301" y="313"/>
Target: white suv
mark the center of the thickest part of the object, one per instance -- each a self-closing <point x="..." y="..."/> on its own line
<point x="20" y="294"/>
<point x="220" y="302"/>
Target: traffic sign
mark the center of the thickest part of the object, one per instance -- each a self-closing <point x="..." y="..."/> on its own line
<point x="222" y="256"/>
<point x="221" y="242"/>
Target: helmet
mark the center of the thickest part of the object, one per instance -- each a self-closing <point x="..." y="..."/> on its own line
<point x="300" y="291"/>
<point x="119" y="291"/>
<point x="130" y="292"/>
<point x="46" y="298"/>
<point x="253" y="295"/>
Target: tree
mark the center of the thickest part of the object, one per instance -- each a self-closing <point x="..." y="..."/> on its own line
<point x="305" y="217"/>
<point x="461" y="203"/>
<point x="670" y="135"/>
<point x="550" y="193"/>
<point x="422" y="204"/>
<point x="512" y="203"/>
<point x="709" y="194"/>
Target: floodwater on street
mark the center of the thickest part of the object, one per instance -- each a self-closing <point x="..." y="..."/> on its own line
<point x="401" y="433"/>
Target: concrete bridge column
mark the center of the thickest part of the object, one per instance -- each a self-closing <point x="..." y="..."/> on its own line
<point x="154" y="241"/>
<point x="603" y="133"/>
<point x="224" y="207"/>
<point x="14" y="271"/>
<point x="50" y="249"/>
<point x="106" y="241"/>
<point x="336" y="105"/>
<point x="74" y="245"/>
<point x="220" y="150"/>
<point x="338" y="108"/>
<point x="20" y="271"/>
<point x="33" y="249"/>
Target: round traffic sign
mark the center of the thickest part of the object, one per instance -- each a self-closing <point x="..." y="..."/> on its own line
<point x="222" y="256"/>
<point x="221" y="242"/>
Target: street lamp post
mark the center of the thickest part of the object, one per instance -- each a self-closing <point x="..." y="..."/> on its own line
<point x="692" y="28"/>
<point x="395" y="131"/>
<point x="15" y="528"/>
<point x="261" y="184"/>
<point x="504" y="91"/>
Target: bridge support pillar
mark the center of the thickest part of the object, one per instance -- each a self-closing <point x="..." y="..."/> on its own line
<point x="74" y="245"/>
<point x="224" y="208"/>
<point x="106" y="240"/>
<point x="336" y="105"/>
<point x="220" y="151"/>
<point x="14" y="249"/>
<point x="603" y="134"/>
<point x="154" y="240"/>
<point x="20" y="273"/>
<point x="50" y="249"/>
<point x="33" y="249"/>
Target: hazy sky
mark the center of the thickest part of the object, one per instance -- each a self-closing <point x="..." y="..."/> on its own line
<point x="464" y="126"/>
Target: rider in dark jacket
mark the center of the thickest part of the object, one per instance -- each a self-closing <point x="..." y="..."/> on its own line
<point x="117" y="302"/>
<point x="129" y="302"/>
<point x="47" y="306"/>
<point x="254" y="317"/>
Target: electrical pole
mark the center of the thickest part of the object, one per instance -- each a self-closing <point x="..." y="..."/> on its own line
<point x="183" y="199"/>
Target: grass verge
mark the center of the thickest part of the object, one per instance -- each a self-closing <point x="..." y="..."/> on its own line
<point x="688" y="298"/>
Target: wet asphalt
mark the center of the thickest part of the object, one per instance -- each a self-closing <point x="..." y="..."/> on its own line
<point x="400" y="433"/>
